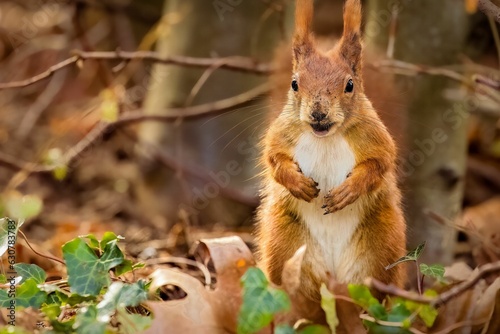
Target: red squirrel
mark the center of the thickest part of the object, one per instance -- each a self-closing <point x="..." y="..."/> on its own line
<point x="330" y="169"/>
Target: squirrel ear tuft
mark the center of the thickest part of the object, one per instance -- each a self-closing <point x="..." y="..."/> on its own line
<point x="350" y="44"/>
<point x="302" y="41"/>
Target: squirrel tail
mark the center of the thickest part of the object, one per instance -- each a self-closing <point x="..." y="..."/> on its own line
<point x="303" y="19"/>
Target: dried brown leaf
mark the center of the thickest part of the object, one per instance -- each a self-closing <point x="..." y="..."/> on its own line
<point x="460" y="310"/>
<point x="290" y="280"/>
<point x="204" y="310"/>
<point x="458" y="271"/>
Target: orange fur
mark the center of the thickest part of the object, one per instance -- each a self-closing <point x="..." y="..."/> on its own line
<point x="285" y="218"/>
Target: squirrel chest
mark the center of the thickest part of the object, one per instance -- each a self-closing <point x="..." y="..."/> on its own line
<point x="328" y="161"/>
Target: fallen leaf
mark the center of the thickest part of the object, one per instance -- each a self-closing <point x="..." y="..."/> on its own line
<point x="290" y="279"/>
<point x="203" y="310"/>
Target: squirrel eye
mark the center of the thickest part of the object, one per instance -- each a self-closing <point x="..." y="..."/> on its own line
<point x="349" y="87"/>
<point x="295" y="85"/>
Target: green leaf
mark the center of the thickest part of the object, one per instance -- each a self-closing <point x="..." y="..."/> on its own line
<point x="127" y="266"/>
<point x="284" y="329"/>
<point x="23" y="207"/>
<point x="426" y="312"/>
<point x="435" y="270"/>
<point x="93" y="242"/>
<point x="411" y="256"/>
<point x="328" y="305"/>
<point x="260" y="302"/>
<point x="377" y="311"/>
<point x="132" y="323"/>
<point x="12" y="330"/>
<point x="86" y="321"/>
<point x="108" y="237"/>
<point x="8" y="234"/>
<point x="119" y="296"/>
<point x="3" y="279"/>
<point x="52" y="311"/>
<point x="26" y="295"/>
<point x="398" y="313"/>
<point x="315" y="329"/>
<point x="33" y="271"/>
<point x="362" y="295"/>
<point x="88" y="274"/>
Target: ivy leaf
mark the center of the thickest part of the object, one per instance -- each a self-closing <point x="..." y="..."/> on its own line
<point x="3" y="279"/>
<point x="315" y="329"/>
<point x="108" y="237"/>
<point x="27" y="271"/>
<point x="127" y="266"/>
<point x="411" y="256"/>
<point x="86" y="321"/>
<point x="51" y="311"/>
<point x="88" y="274"/>
<point x="93" y="242"/>
<point x="284" y="329"/>
<point x="132" y="323"/>
<point x="119" y="296"/>
<point x="26" y="295"/>
<point x="398" y="313"/>
<point x="426" y="312"/>
<point x="260" y="302"/>
<point x="362" y="295"/>
<point x="435" y="270"/>
<point x="328" y="305"/>
<point x="8" y="233"/>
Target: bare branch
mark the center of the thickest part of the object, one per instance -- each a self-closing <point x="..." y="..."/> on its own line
<point x="404" y="68"/>
<point x="236" y="63"/>
<point x="464" y="286"/>
<point x="490" y="9"/>
<point x="102" y="128"/>
<point x="44" y="75"/>
<point x="444" y="297"/>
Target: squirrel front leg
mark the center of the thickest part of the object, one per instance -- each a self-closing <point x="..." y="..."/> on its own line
<point x="287" y="173"/>
<point x="364" y="178"/>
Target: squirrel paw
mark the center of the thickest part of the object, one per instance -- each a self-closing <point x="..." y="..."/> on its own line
<point x="302" y="187"/>
<point x="340" y="197"/>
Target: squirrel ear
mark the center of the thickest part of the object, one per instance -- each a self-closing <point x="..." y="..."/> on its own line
<point x="350" y="44"/>
<point x="302" y="41"/>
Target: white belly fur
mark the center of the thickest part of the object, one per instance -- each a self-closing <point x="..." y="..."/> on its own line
<point x="328" y="161"/>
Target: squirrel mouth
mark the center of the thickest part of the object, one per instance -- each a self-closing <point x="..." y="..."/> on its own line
<point x="320" y="129"/>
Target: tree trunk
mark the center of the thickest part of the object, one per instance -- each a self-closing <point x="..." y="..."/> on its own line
<point x="432" y="33"/>
<point x="225" y="145"/>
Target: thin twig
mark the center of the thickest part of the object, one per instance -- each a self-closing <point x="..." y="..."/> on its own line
<point x="462" y="287"/>
<point x="44" y="75"/>
<point x="444" y="297"/>
<point x="236" y="63"/>
<point x="408" y="69"/>
<point x="53" y="258"/>
<point x="489" y="8"/>
<point x="393" y="290"/>
<point x="102" y="128"/>
<point x="466" y="229"/>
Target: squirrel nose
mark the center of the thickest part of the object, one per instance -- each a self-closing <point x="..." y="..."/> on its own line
<point x="318" y="116"/>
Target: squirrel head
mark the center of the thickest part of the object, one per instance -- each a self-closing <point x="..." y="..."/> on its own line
<point x="327" y="87"/>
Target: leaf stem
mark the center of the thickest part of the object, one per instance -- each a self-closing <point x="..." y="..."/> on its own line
<point x="419" y="278"/>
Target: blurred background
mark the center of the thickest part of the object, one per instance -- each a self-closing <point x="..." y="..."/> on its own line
<point x="81" y="150"/>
